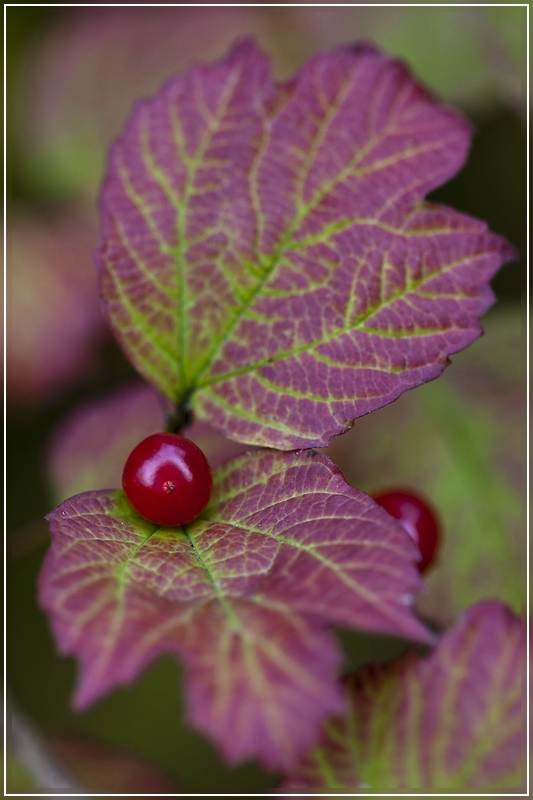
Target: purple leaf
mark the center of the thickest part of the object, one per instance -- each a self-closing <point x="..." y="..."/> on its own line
<point x="244" y="595"/>
<point x="53" y="318"/>
<point x="452" y="720"/>
<point x="89" y="449"/>
<point x="267" y="255"/>
<point x="466" y="430"/>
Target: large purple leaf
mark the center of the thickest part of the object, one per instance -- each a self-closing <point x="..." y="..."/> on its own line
<point x="453" y="720"/>
<point x="267" y="255"/>
<point x="244" y="595"/>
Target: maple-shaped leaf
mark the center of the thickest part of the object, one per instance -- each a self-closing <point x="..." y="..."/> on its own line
<point x="245" y="595"/>
<point x="267" y="256"/>
<point x="453" y="720"/>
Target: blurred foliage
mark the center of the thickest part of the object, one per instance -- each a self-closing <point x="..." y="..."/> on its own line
<point x="473" y="57"/>
<point x="458" y="439"/>
<point x="70" y="89"/>
<point x="492" y="186"/>
<point x="18" y="779"/>
<point x="98" y="765"/>
<point x="54" y="321"/>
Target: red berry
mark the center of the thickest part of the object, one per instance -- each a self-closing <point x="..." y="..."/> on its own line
<point x="167" y="479"/>
<point x="418" y="519"/>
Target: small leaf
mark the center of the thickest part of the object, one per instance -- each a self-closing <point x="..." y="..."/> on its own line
<point x="244" y="595"/>
<point x="90" y="447"/>
<point x="450" y="721"/>
<point x="267" y="256"/>
<point x="53" y="320"/>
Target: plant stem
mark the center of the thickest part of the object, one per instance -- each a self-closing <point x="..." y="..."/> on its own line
<point x="180" y="419"/>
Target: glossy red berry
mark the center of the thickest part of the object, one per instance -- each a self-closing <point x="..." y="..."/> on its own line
<point x="418" y="519"/>
<point x="167" y="479"/>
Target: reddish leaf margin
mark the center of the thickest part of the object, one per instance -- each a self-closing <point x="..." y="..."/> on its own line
<point x="449" y="721"/>
<point x="245" y="595"/>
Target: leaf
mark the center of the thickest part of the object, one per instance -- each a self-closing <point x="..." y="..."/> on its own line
<point x="458" y="440"/>
<point x="450" y="721"/>
<point x="53" y="319"/>
<point x="267" y="257"/>
<point x="244" y="595"/>
<point x="90" y="447"/>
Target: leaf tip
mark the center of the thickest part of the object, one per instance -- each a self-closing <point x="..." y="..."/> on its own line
<point x="364" y="48"/>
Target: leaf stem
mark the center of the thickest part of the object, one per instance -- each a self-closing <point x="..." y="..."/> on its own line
<point x="181" y="417"/>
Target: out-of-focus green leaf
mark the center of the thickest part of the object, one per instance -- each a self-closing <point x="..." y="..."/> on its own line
<point x="508" y="23"/>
